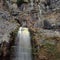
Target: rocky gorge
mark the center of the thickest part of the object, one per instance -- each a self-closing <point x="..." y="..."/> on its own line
<point x="43" y="21"/>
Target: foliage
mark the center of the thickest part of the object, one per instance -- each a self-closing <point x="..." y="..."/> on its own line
<point x="20" y="2"/>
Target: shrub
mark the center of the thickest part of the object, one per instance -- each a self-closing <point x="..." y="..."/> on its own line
<point x="20" y="2"/>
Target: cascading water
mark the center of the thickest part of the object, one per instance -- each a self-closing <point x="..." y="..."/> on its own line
<point x="31" y="3"/>
<point x="23" y="49"/>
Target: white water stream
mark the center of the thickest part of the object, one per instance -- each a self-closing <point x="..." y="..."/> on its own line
<point x="23" y="49"/>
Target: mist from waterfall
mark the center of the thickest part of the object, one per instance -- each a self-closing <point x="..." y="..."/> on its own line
<point x="23" y="48"/>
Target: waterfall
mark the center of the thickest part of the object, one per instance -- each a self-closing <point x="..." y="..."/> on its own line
<point x="31" y="2"/>
<point x="23" y="49"/>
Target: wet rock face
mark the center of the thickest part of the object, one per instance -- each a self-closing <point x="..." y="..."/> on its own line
<point x="7" y="25"/>
<point x="4" y="49"/>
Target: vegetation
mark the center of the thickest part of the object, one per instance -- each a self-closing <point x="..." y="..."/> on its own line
<point x="19" y="2"/>
<point x="13" y="35"/>
<point x="46" y="51"/>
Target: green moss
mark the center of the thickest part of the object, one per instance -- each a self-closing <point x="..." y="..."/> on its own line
<point x="50" y="48"/>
